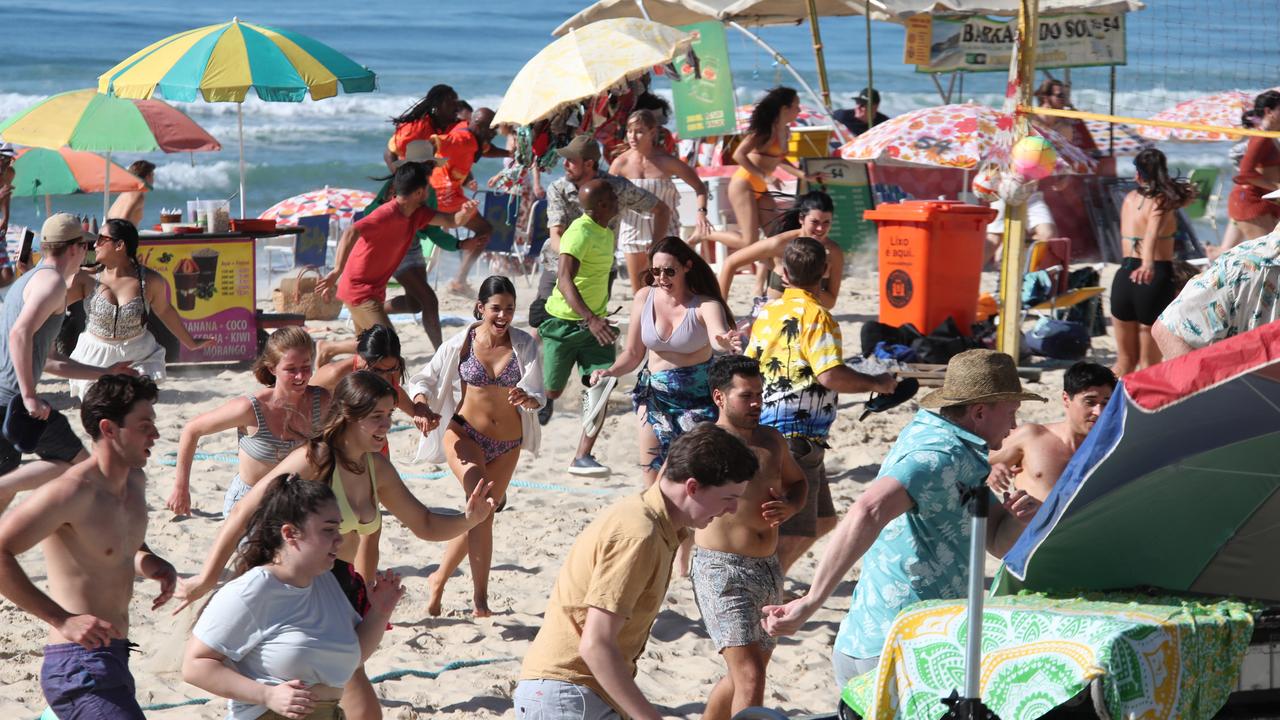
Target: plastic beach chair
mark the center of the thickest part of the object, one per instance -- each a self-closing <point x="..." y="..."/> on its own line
<point x="1205" y="180"/>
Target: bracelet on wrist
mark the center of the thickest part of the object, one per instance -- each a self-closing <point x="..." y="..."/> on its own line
<point x="702" y="210"/>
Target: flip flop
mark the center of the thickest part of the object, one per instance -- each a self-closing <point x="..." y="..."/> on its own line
<point x="597" y="398"/>
<point x="20" y="429"/>
<point x="907" y="389"/>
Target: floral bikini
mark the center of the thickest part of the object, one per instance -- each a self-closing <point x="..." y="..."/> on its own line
<point x="474" y="372"/>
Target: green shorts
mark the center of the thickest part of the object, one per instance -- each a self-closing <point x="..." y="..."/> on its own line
<point x="564" y="345"/>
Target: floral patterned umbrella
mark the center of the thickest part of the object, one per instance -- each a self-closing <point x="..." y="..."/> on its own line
<point x="1128" y="140"/>
<point x="1221" y="109"/>
<point x="954" y="136"/>
<point x="342" y="202"/>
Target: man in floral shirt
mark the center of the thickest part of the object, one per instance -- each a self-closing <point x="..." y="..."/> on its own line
<point x="797" y="343"/>
<point x="1236" y="294"/>
<point x="909" y="526"/>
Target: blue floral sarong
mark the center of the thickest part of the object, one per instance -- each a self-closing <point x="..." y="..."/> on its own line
<point x="675" y="401"/>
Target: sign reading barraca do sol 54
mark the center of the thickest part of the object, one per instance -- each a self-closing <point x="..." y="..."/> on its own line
<point x="704" y="92"/>
<point x="979" y="44"/>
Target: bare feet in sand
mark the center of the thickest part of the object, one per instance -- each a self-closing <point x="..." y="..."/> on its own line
<point x="482" y="607"/>
<point x="435" y="585"/>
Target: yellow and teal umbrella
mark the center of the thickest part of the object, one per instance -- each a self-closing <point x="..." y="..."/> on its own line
<point x="585" y="63"/>
<point x="220" y="63"/>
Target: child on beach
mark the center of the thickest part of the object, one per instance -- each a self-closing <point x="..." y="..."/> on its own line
<point x="496" y="370"/>
<point x="91" y="522"/>
<point x="269" y="423"/>
<point x="347" y="457"/>
<point x="283" y="638"/>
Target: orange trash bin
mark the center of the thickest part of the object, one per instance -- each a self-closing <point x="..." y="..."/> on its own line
<point x="930" y="261"/>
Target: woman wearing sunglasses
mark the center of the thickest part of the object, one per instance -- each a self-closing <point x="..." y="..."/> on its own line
<point x="378" y="351"/>
<point x="117" y="300"/>
<point x="488" y="381"/>
<point x="674" y="321"/>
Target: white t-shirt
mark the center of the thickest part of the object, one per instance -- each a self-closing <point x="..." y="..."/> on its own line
<point x="272" y="632"/>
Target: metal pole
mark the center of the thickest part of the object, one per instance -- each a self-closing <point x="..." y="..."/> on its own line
<point x="1022" y="71"/>
<point x="643" y="12"/>
<point x="839" y="128"/>
<point x="977" y="564"/>
<point x="106" y="187"/>
<point x="871" y="80"/>
<point x="240" y="127"/>
<point x="817" y="53"/>
<point x="1111" y="110"/>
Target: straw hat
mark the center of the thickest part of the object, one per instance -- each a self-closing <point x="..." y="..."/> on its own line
<point x="419" y="151"/>
<point x="978" y="376"/>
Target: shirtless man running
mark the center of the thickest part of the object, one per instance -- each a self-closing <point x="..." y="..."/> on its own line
<point x="92" y="521"/>
<point x="1035" y="455"/>
<point x="735" y="568"/>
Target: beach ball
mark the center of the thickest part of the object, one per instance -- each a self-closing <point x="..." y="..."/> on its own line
<point x="986" y="184"/>
<point x="1033" y="158"/>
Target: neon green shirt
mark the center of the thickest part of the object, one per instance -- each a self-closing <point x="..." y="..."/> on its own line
<point x="592" y="245"/>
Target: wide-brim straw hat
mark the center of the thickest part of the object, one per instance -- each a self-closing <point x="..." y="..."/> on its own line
<point x="419" y="151"/>
<point x="978" y="376"/>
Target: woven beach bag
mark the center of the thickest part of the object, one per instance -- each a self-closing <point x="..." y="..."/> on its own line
<point x="298" y="295"/>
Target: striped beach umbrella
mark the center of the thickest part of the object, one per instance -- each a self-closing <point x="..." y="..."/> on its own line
<point x="87" y="120"/>
<point x="41" y="171"/>
<point x="220" y="63"/>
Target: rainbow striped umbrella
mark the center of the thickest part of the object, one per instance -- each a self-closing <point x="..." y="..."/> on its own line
<point x="86" y="120"/>
<point x="220" y="63"/>
<point x="40" y="171"/>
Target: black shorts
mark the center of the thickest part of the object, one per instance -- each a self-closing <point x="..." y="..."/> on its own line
<point x="1131" y="302"/>
<point x="58" y="442"/>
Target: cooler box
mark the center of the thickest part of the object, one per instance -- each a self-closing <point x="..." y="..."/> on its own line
<point x="809" y="142"/>
<point x="930" y="261"/>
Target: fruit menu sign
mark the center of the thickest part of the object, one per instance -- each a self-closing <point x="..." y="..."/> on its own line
<point x="704" y="92"/>
<point x="211" y="284"/>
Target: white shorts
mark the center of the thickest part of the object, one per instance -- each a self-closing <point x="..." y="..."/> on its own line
<point x="142" y="352"/>
<point x="1037" y="214"/>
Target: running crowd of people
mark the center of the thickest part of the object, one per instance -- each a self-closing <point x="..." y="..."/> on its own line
<point x="734" y="421"/>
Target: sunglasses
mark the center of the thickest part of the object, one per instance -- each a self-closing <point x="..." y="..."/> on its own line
<point x="663" y="271"/>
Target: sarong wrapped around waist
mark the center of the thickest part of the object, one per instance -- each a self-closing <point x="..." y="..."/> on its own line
<point x="674" y="400"/>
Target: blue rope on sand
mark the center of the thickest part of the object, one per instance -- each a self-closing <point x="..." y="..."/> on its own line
<point x="391" y="675"/>
<point x="170" y="459"/>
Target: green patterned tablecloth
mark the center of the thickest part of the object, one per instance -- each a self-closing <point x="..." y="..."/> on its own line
<point x="1159" y="657"/>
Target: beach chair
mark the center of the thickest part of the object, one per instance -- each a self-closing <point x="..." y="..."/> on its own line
<point x="537" y="233"/>
<point x="501" y="210"/>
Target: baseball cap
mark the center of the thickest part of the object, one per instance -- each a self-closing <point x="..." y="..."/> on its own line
<point x="419" y="151"/>
<point x="866" y="93"/>
<point x="582" y="147"/>
<point x="61" y="229"/>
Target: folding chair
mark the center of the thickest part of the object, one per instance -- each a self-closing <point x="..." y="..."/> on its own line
<point x="501" y="210"/>
<point x="1205" y="180"/>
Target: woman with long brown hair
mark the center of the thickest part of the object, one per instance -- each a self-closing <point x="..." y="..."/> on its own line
<point x="285" y="636"/>
<point x="347" y="457"/>
<point x="675" y="322"/>
<point x="270" y="422"/>
<point x="1144" y="284"/>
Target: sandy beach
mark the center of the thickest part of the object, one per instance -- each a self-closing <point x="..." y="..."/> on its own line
<point x="546" y="510"/>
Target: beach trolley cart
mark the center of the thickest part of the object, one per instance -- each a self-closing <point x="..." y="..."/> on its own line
<point x="1147" y="585"/>
<point x="211" y="279"/>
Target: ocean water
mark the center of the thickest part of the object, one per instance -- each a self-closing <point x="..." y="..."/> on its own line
<point x="1177" y="49"/>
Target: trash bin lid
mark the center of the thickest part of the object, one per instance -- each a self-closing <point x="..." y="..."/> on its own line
<point x="926" y="210"/>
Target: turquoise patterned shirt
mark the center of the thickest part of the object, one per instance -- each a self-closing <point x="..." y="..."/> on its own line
<point x="1236" y="294"/>
<point x="922" y="554"/>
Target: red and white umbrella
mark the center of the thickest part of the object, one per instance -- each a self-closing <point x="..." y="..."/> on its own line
<point x="954" y="136"/>
<point x="1220" y="109"/>
<point x="341" y="202"/>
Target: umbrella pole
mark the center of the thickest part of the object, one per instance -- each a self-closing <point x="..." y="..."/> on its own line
<point x="240" y="128"/>
<point x="644" y="13"/>
<point x="48" y="206"/>
<point x="871" y="83"/>
<point x="817" y="53"/>
<point x="783" y="62"/>
<point x="106" y="188"/>
<point x="969" y="705"/>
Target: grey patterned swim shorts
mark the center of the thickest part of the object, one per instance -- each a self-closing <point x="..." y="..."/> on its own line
<point x="730" y="590"/>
